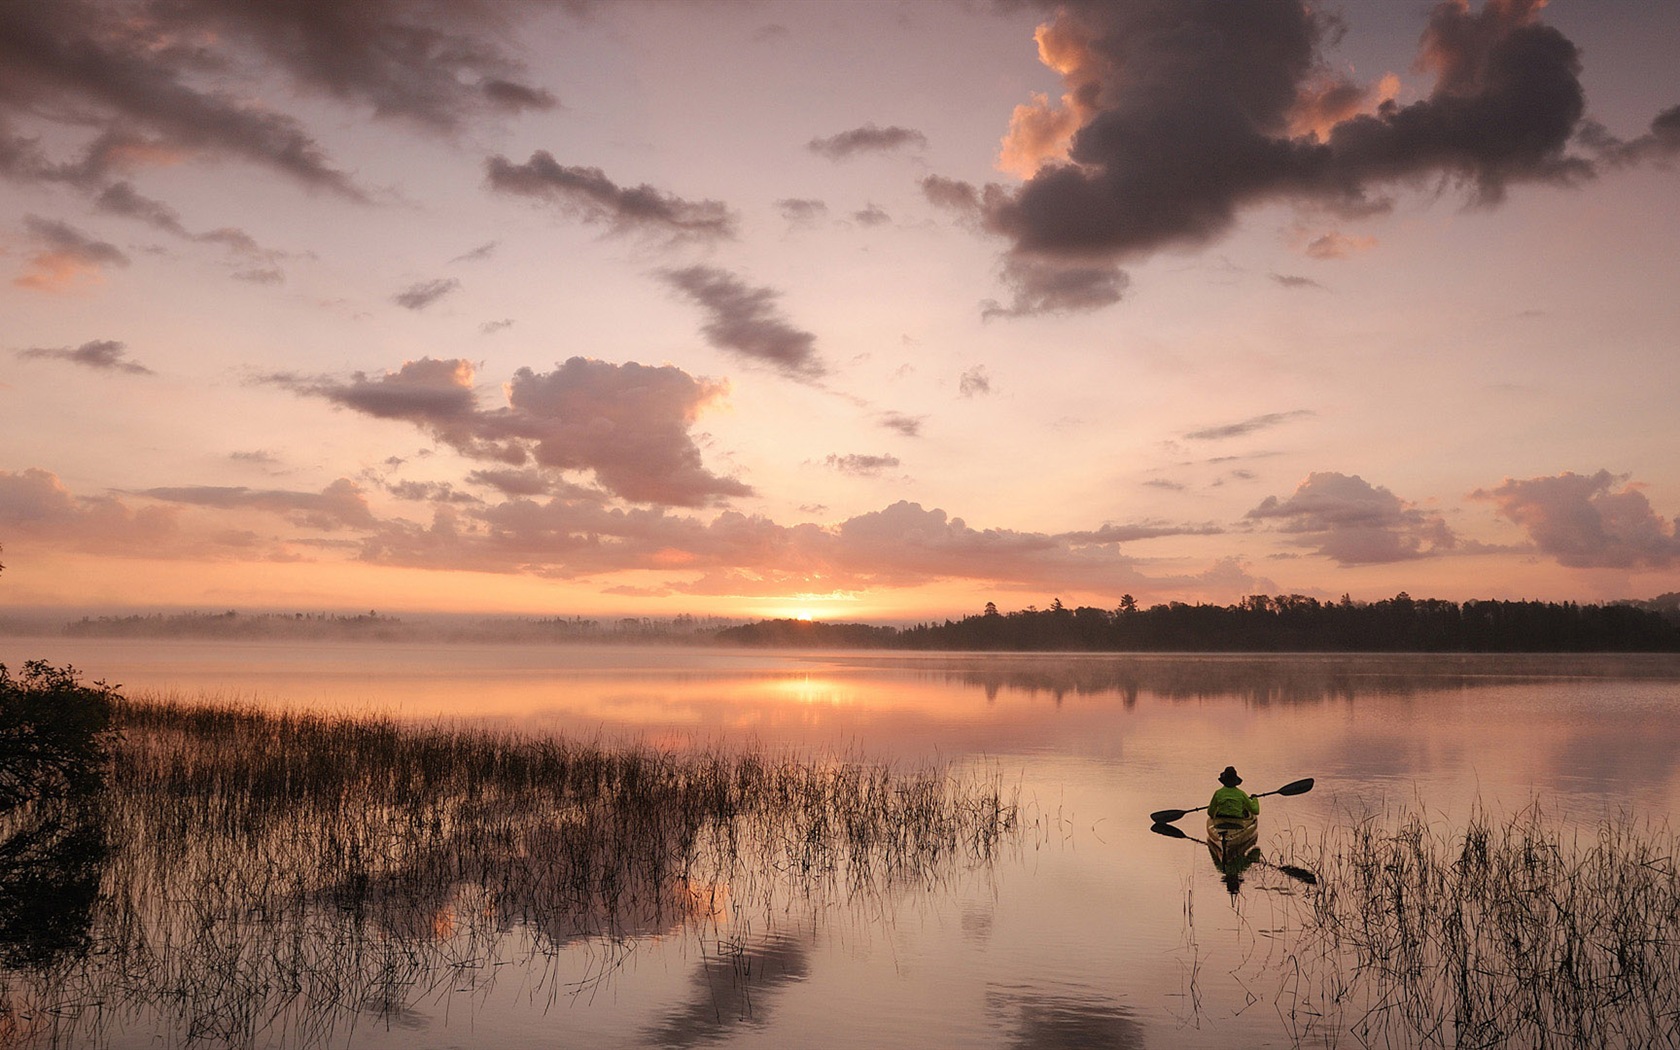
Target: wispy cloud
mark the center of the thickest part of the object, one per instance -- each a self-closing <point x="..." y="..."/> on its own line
<point x="104" y="355"/>
<point x="867" y="139"/>
<point x="589" y="195"/>
<point x="1248" y="426"/>
<point x="422" y="294"/>
<point x="64" y="256"/>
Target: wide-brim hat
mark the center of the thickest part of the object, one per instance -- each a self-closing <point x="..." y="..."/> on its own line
<point x="1229" y="777"/>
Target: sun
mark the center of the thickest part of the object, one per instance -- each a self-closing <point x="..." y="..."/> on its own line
<point x="803" y="614"/>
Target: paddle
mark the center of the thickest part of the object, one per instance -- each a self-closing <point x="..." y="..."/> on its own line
<point x="1299" y="787"/>
<point x="1288" y="869"/>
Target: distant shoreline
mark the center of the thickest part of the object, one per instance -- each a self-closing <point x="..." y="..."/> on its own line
<point x="1259" y="624"/>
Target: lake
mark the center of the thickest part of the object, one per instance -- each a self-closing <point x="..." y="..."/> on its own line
<point x="1087" y="930"/>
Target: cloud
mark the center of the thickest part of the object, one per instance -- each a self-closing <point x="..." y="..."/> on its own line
<point x="626" y="424"/>
<point x="953" y="195"/>
<point x="974" y="383"/>
<point x="589" y="195"/>
<point x="802" y="211"/>
<point x="909" y="426"/>
<point x="744" y="320"/>
<point x="341" y="505"/>
<point x="862" y="466"/>
<point x="65" y="257"/>
<point x="1347" y="519"/>
<point x="1178" y="117"/>
<point x="867" y="139"/>
<point x="1587" y="522"/>
<point x="1248" y="426"/>
<point x="1046" y="286"/>
<point x="422" y="294"/>
<point x="121" y="198"/>
<point x="492" y="327"/>
<point x="105" y="355"/>
<point x="35" y="504"/>
<point x="479" y="254"/>
<point x="1337" y="245"/>
<point x="136" y="74"/>
<point x="871" y="215"/>
<point x="1292" y="281"/>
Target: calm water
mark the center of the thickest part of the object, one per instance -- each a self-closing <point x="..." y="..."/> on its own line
<point x="1093" y="932"/>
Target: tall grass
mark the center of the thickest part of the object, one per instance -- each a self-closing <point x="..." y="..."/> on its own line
<point x="1510" y="933"/>
<point x="271" y="877"/>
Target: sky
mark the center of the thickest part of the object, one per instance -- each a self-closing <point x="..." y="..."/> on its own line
<point x="860" y="311"/>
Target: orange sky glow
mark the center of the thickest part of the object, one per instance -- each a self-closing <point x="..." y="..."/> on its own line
<point x="843" y="311"/>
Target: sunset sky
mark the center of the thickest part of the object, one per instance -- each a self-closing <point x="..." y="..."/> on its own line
<point x="857" y="310"/>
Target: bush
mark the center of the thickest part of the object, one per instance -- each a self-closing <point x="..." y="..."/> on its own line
<point x="54" y="734"/>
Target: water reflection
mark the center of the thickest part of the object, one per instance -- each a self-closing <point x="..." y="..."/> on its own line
<point x="248" y="879"/>
<point x="734" y="988"/>
<point x="50" y="870"/>
<point x="1039" y="1019"/>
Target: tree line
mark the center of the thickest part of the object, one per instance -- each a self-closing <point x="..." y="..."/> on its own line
<point x="1260" y="623"/>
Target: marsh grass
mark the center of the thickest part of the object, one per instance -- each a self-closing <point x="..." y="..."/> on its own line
<point x="1513" y="933"/>
<point x="277" y="878"/>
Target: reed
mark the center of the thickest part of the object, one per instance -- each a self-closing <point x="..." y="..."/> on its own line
<point x="1513" y="933"/>
<point x="269" y="877"/>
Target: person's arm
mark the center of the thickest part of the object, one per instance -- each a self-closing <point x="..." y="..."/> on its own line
<point x="1253" y="804"/>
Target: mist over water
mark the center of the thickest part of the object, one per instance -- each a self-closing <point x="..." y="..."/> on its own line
<point x="1086" y="930"/>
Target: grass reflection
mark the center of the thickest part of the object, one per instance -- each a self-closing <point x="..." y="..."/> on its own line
<point x="1499" y="934"/>
<point x="258" y="877"/>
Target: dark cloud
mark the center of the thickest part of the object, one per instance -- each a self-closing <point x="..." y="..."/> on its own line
<point x="1139" y="531"/>
<point x="592" y="197"/>
<point x="909" y="426"/>
<point x="871" y="215"/>
<point x="66" y="255"/>
<point x="1288" y="280"/>
<point x="862" y="466"/>
<point x="512" y="97"/>
<point x="422" y="294"/>
<point x="1596" y="521"/>
<point x="627" y="424"/>
<point x="1346" y="518"/>
<point x="802" y="211"/>
<point x="744" y="320"/>
<point x="1248" y="426"/>
<point x="974" y="382"/>
<point x="1660" y="144"/>
<point x="121" y="198"/>
<point x="105" y="355"/>
<point x="436" y="65"/>
<point x="867" y="139"/>
<point x="952" y="194"/>
<point x="1178" y="116"/>
<point x="133" y="72"/>
<point x="1048" y="286"/>
<point x="482" y="252"/>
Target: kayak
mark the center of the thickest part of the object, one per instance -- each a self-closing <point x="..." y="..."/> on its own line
<point x="1230" y="838"/>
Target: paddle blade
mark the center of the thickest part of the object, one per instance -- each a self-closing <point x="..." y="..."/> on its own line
<point x="1168" y="830"/>
<point x="1299" y="873"/>
<point x="1167" y="816"/>
<point x="1299" y="787"/>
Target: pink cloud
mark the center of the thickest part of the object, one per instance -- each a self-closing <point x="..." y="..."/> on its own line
<point x="1586" y="522"/>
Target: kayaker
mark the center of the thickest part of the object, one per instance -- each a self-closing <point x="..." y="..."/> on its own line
<point x="1231" y="800"/>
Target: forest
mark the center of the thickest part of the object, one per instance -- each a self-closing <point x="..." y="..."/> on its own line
<point x="1262" y="623"/>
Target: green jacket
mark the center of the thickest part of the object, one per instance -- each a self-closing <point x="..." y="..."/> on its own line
<point x="1233" y="802"/>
